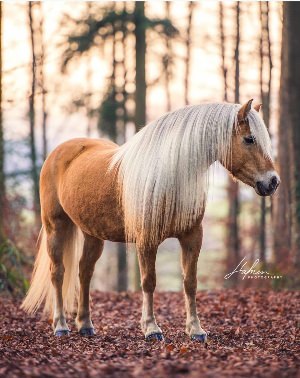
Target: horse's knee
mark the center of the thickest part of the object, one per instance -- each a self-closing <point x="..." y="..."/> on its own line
<point x="148" y="283"/>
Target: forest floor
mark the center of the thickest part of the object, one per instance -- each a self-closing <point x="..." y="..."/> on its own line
<point x="251" y="334"/>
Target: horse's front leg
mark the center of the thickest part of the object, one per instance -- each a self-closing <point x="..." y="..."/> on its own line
<point x="92" y="250"/>
<point x="191" y="244"/>
<point x="147" y="259"/>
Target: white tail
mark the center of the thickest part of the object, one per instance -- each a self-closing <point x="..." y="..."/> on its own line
<point x="41" y="289"/>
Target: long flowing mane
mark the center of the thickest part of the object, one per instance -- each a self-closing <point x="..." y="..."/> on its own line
<point x="163" y="169"/>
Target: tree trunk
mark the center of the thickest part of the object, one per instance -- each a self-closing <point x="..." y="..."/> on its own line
<point x="42" y="81"/>
<point x="167" y="61"/>
<point x="88" y="99"/>
<point x="188" y="53"/>
<point x="223" y="51"/>
<point x="140" y="87"/>
<point x="287" y="241"/>
<point x="233" y="243"/>
<point x="265" y="58"/>
<point x="140" y="62"/>
<point x="2" y="175"/>
<point x="88" y="82"/>
<point x="262" y="228"/>
<point x="33" y="155"/>
<point x="282" y="219"/>
<point x="122" y="282"/>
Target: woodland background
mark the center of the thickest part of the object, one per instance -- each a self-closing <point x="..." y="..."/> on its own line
<point x="105" y="69"/>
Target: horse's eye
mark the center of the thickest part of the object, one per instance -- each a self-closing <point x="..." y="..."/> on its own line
<point x="249" y="139"/>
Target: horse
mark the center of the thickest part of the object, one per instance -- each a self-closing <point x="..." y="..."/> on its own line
<point x="151" y="188"/>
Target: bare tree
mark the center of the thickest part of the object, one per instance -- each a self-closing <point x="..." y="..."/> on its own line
<point x="191" y="7"/>
<point x="33" y="154"/>
<point x="233" y="242"/>
<point x="287" y="217"/>
<point x="40" y="58"/>
<point x="140" y="64"/>
<point x="88" y="97"/>
<point x="140" y="87"/>
<point x="122" y="283"/>
<point x="88" y="82"/>
<point x="167" y="61"/>
<point x="2" y="175"/>
<point x="266" y="65"/>
<point x="223" y="51"/>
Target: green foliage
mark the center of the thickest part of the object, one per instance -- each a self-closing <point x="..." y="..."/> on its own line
<point x="112" y="109"/>
<point x="161" y="26"/>
<point x="94" y="31"/>
<point x="11" y="273"/>
<point x="108" y="114"/>
<point x="290" y="279"/>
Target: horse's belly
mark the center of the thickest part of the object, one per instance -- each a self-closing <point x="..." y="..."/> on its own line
<point x="96" y="217"/>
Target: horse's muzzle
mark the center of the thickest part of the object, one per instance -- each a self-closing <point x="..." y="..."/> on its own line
<point x="269" y="188"/>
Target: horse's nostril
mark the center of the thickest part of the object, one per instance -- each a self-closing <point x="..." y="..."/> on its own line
<point x="261" y="188"/>
<point x="274" y="182"/>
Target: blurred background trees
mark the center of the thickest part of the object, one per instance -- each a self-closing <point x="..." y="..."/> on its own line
<point x="119" y="24"/>
<point x="105" y="69"/>
<point x="2" y="177"/>
<point x="287" y="218"/>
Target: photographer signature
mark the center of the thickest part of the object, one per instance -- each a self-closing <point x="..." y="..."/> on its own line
<point x="251" y="272"/>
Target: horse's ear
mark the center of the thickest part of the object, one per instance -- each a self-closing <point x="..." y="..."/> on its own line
<point x="257" y="107"/>
<point x="244" y="111"/>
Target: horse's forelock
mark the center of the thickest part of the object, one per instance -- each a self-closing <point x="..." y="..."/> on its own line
<point x="260" y="132"/>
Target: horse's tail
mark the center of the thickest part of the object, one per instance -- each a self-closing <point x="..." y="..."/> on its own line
<point x="41" y="289"/>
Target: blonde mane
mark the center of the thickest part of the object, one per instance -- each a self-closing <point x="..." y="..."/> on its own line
<point x="163" y="169"/>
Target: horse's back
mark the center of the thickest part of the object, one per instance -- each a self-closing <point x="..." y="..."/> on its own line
<point x="64" y="155"/>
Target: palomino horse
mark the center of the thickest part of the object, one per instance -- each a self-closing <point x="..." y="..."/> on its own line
<point x="151" y="188"/>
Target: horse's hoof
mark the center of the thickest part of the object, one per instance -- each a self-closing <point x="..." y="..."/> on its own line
<point x="200" y="338"/>
<point x="63" y="332"/>
<point x="157" y="336"/>
<point x="87" y="332"/>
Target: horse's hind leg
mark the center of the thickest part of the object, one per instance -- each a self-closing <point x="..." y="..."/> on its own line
<point x="92" y="250"/>
<point x="56" y="234"/>
<point x="147" y="259"/>
<point x="191" y="245"/>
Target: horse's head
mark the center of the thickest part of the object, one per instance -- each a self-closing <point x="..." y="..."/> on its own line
<point x="250" y="160"/>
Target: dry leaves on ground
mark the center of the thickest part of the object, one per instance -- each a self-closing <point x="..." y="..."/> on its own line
<point x="251" y="334"/>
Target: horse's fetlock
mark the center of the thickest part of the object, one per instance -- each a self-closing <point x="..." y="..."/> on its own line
<point x="60" y="323"/>
<point x="82" y="317"/>
<point x="193" y="326"/>
<point x="84" y="321"/>
<point x="149" y="325"/>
